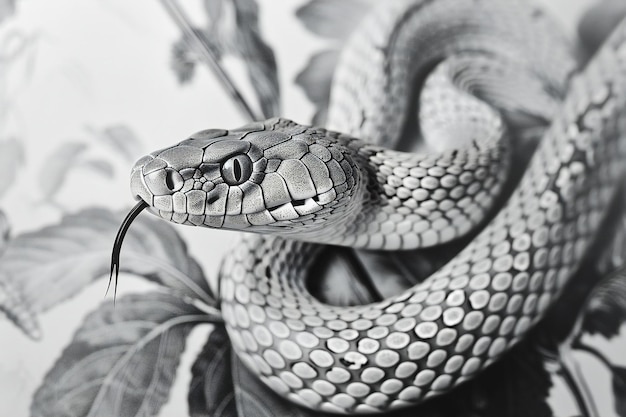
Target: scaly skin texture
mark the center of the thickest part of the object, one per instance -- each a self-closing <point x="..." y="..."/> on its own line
<point x="322" y="186"/>
<point x="295" y="185"/>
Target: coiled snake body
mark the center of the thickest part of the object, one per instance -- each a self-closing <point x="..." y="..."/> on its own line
<point x="480" y="66"/>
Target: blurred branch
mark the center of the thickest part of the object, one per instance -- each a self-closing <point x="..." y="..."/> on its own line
<point x="204" y="51"/>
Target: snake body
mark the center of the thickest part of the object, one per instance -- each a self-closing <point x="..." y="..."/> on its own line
<point x="481" y="65"/>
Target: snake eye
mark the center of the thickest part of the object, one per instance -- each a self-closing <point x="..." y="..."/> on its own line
<point x="237" y="170"/>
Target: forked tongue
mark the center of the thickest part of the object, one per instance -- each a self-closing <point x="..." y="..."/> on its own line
<point x="117" y="245"/>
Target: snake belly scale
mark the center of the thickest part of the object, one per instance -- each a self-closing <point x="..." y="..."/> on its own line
<point x="479" y="64"/>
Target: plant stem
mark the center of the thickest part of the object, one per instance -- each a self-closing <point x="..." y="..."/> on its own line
<point x="205" y="52"/>
<point x="576" y="382"/>
<point x="579" y="345"/>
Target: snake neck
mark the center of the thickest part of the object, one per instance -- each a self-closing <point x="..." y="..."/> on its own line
<point x="382" y="199"/>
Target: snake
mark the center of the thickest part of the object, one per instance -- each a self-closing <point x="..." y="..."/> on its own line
<point x="470" y="72"/>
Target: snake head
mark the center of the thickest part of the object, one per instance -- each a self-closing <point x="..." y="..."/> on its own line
<point x="263" y="177"/>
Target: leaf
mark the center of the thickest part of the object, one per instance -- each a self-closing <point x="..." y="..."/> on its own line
<point x="120" y="138"/>
<point x="183" y="60"/>
<point x="16" y="310"/>
<point x="12" y="304"/>
<point x="13" y="45"/>
<point x="243" y="38"/>
<point x="213" y="7"/>
<point x="598" y="22"/>
<point x="517" y="385"/>
<point x="333" y="19"/>
<point x="521" y="385"/>
<point x="121" y="362"/>
<point x="234" y="29"/>
<point x="184" y="67"/>
<point x="54" y="172"/>
<point x="262" y="71"/>
<point x="316" y="78"/>
<point x="605" y="311"/>
<point x="100" y="166"/>
<point x="7" y="8"/>
<point x="52" y="264"/>
<point x="255" y="399"/>
<point x="5" y="231"/>
<point x="610" y="255"/>
<point x="11" y="157"/>
<point x="619" y="389"/>
<point x="211" y="393"/>
<point x="17" y="56"/>
<point x="342" y="279"/>
<point x="606" y="352"/>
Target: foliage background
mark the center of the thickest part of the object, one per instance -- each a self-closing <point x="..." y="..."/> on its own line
<point x="86" y="87"/>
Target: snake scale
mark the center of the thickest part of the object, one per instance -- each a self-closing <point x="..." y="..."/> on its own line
<point x="478" y="67"/>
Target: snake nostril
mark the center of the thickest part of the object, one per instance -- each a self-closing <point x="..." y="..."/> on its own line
<point x="164" y="181"/>
<point x="212" y="199"/>
<point x="169" y="181"/>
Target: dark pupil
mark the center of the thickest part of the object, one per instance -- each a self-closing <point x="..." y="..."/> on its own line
<point x="237" y="170"/>
<point x="169" y="180"/>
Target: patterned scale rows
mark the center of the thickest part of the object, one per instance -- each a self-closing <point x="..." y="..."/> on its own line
<point x="312" y="183"/>
<point x="293" y="180"/>
<point x="443" y="331"/>
<point x="429" y="201"/>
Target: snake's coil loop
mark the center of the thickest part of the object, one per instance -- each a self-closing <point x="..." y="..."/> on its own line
<point x="483" y="68"/>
